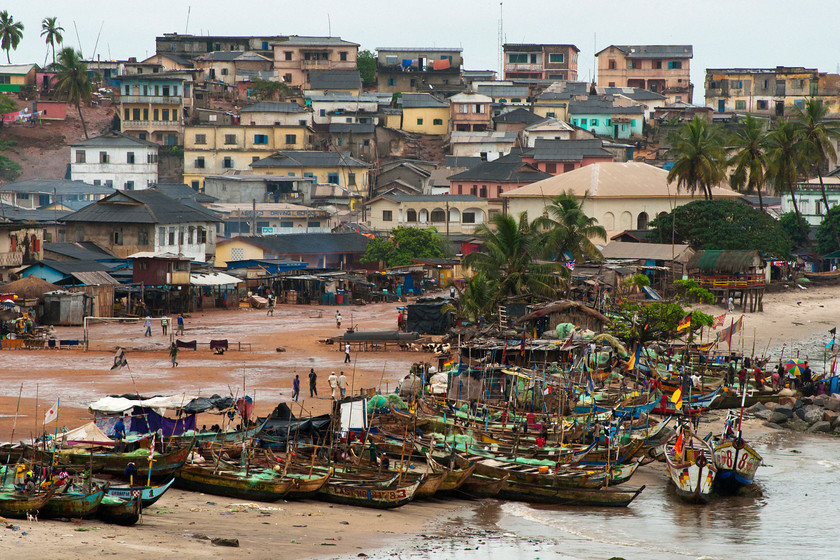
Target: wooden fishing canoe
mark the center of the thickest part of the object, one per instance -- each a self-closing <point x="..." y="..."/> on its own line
<point x="478" y="486"/>
<point x="16" y="505"/>
<point x="691" y="468"/>
<point x="364" y="494"/>
<point x="259" y="486"/>
<point x="456" y="475"/>
<point x="72" y="504"/>
<point x="164" y="464"/>
<point x="119" y="511"/>
<point x="736" y="463"/>
<point x="539" y="493"/>
<point x="148" y="494"/>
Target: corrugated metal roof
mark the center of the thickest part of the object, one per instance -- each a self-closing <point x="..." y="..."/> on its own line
<point x="96" y="278"/>
<point x="148" y="206"/>
<point x="421" y="101"/>
<point x="309" y="159"/>
<point x="618" y="250"/>
<point x="114" y="139"/>
<point x="273" y="107"/>
<point x="728" y="262"/>
<point x="306" y="243"/>
<point x="569" y="150"/>
<point x="335" y="79"/>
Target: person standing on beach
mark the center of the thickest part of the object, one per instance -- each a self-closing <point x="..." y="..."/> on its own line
<point x="296" y="388"/>
<point x="731" y="304"/>
<point x="313" y="390"/>
<point x="164" y="324"/>
<point x="333" y="381"/>
<point x="148" y="325"/>
<point x="342" y="384"/>
<point x="806" y="374"/>
<point x="180" y="321"/>
<point x="173" y="354"/>
<point x="270" y="305"/>
<point x="119" y="434"/>
<point x="347" y="353"/>
<point x="338" y="319"/>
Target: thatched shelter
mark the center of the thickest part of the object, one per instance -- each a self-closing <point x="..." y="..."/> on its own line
<point x="30" y="287"/>
<point x="564" y="311"/>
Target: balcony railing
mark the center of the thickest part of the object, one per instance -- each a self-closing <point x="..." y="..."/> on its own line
<point x="514" y="67"/>
<point x="152" y="99"/>
<point x="11" y="259"/>
<point x="147" y="124"/>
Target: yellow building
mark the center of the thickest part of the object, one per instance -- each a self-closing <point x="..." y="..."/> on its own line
<point x="425" y="114"/>
<point x="337" y="168"/>
<point x="769" y="91"/>
<point x="213" y="150"/>
<point x="15" y="76"/>
<point x="152" y="106"/>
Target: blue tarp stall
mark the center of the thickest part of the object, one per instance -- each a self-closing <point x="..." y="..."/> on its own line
<point x="146" y="420"/>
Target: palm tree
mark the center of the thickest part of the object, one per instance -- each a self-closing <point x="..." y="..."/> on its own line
<point x="747" y="145"/>
<point x="475" y="300"/>
<point x="567" y="229"/>
<point x="73" y="80"/>
<point x="11" y="32"/>
<point x="817" y="135"/>
<point x="699" y="157"/>
<point x="509" y="259"/>
<point x="52" y="31"/>
<point x="785" y="161"/>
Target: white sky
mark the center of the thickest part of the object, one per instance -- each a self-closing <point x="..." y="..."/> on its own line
<point x="725" y="34"/>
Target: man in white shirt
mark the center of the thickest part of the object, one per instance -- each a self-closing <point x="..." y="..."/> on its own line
<point x="347" y="353"/>
<point x="333" y="381"/>
<point x="342" y="384"/>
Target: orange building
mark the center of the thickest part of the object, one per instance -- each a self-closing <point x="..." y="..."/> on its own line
<point x="663" y="69"/>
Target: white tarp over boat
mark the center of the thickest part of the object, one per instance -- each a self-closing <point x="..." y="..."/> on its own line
<point x="118" y="405"/>
<point x="89" y="434"/>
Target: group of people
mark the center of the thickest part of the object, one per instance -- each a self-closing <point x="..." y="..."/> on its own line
<point x="164" y="325"/>
<point x="336" y="383"/>
<point x="26" y="481"/>
<point x="780" y="376"/>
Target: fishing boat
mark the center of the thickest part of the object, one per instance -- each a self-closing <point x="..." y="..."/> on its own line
<point x="119" y="511"/>
<point x="731" y="399"/>
<point x="694" y="404"/>
<point x="478" y="486"/>
<point x="262" y="485"/>
<point x="543" y="493"/>
<point x="385" y="495"/>
<point x="690" y="462"/>
<point x="455" y="476"/>
<point x="16" y="505"/>
<point x="148" y="494"/>
<point x="70" y="504"/>
<point x="736" y="463"/>
<point x="164" y="464"/>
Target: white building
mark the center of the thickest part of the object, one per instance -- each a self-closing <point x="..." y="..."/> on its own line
<point x="115" y="160"/>
<point x="325" y="107"/>
<point x="489" y="145"/>
<point x="549" y="129"/>
<point x="809" y="198"/>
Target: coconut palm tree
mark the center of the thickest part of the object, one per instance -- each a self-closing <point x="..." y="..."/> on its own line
<point x="785" y="162"/>
<point x="749" y="158"/>
<point x="73" y="80"/>
<point x="52" y="31"/>
<point x="509" y="259"/>
<point x="817" y="136"/>
<point x="699" y="157"/>
<point x="567" y="229"/>
<point x="11" y="32"/>
<point x="474" y="301"/>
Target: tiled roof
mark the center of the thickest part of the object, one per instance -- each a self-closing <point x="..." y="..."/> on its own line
<point x="273" y="107"/>
<point x="506" y="169"/>
<point x="308" y="243"/>
<point x="335" y="79"/>
<point x="148" y="206"/>
<point x="309" y="159"/>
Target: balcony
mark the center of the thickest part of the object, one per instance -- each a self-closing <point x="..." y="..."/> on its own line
<point x="325" y="64"/>
<point x="11" y="259"/>
<point x="163" y="125"/>
<point x="151" y="99"/>
<point x="523" y="67"/>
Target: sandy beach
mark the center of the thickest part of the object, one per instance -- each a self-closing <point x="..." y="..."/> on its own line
<point x="798" y="319"/>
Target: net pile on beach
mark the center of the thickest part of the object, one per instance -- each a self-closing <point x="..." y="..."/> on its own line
<point x="382" y="401"/>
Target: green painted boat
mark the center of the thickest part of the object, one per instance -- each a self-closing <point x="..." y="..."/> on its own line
<point x="259" y="485"/>
<point x="363" y="493"/>
<point x="540" y="493"/>
<point x="164" y="464"/>
<point x="73" y="505"/>
<point x="16" y="505"/>
<point x="119" y="511"/>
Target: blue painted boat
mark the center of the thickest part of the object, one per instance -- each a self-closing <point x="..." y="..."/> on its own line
<point x="148" y="494"/>
<point x="72" y="504"/>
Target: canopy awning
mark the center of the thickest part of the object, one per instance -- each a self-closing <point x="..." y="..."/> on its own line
<point x="213" y="279"/>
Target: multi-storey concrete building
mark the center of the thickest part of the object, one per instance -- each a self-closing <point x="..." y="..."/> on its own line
<point x="663" y="69"/>
<point x="419" y="69"/>
<point x="541" y="62"/>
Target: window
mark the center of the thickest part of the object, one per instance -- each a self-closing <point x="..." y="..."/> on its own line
<point x="155" y="114"/>
<point x="291" y="138"/>
<point x="202" y="235"/>
<point x="230" y="139"/>
<point x="675" y="65"/>
<point x="818" y="209"/>
<point x="351" y="179"/>
<point x="97" y="182"/>
<point x="556" y="57"/>
<point x="632" y="122"/>
<point x="135" y="114"/>
<point x="313" y="224"/>
<point x="761" y="104"/>
<point x="287" y="78"/>
<point x="126" y="114"/>
<point x="165" y="91"/>
<point x="142" y="237"/>
<point x="483" y="191"/>
<point x="419" y="121"/>
<point x="199" y="163"/>
<point x="658" y="65"/>
<point x="117" y="237"/>
<point x="323" y="113"/>
<point x="80" y="156"/>
<point x="518" y="58"/>
<point x="200" y="138"/>
<point x="611" y="65"/>
<point x="479" y="108"/>
<point x="196" y="185"/>
<point x="387" y="216"/>
<point x="260" y="139"/>
<point x="740" y="105"/>
<point x="516" y="100"/>
<point x="391" y="60"/>
<point x="287" y="55"/>
<point x="129" y="185"/>
<point x="474" y="190"/>
<point x="632" y="64"/>
<point x="392" y="81"/>
<point x="583" y="122"/>
<point x="594" y="122"/>
<point x="800" y="103"/>
<point x="224" y="71"/>
<point x="438" y="215"/>
<point x="365" y="142"/>
<point x="103" y="157"/>
<point x="129" y="157"/>
<point x="437" y="122"/>
<point x="411" y="215"/>
<point x="342" y="55"/>
<point x="257" y="158"/>
<point x="228" y="163"/>
<point x="713" y="85"/>
<point x="468" y="217"/>
<point x="550" y="115"/>
<point x="551" y="168"/>
<point x="332" y="178"/>
<point x="164" y="114"/>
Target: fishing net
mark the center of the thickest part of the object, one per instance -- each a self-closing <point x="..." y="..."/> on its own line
<point x="382" y="401"/>
<point x="563" y="329"/>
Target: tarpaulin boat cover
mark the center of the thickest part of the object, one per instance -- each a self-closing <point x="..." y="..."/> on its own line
<point x="428" y="317"/>
<point x="117" y="404"/>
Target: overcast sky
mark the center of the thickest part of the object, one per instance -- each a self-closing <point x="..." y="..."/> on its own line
<point x="724" y="33"/>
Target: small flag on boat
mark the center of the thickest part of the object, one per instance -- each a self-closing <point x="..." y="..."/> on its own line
<point x="590" y="386"/>
<point x="676" y="398"/>
<point x="679" y="444"/>
<point x="569" y="264"/>
<point x="685" y="323"/>
<point x="450" y="363"/>
<point x="152" y="448"/>
<point x="719" y="321"/>
<point x="119" y="360"/>
<point x="52" y="413"/>
<point x="634" y="359"/>
<point x="833" y="331"/>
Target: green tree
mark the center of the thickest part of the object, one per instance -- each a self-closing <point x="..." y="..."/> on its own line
<point x="818" y="137"/>
<point x="11" y="32"/>
<point x="699" y="157"/>
<point x="785" y="161"/>
<point x="721" y="224"/>
<point x="9" y="169"/>
<point x="690" y="290"/>
<point x="508" y="258"/>
<point x="73" y="80"/>
<point x="366" y="62"/>
<point x="7" y="105"/>
<point x="567" y="229"/>
<point x="475" y="300"/>
<point x="52" y="31"/>
<point x="826" y="243"/>
<point x="265" y="89"/>
<point x="747" y="146"/>
<point x="790" y="224"/>
<point x="404" y="245"/>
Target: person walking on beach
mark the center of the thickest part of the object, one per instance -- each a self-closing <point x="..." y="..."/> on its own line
<point x="342" y="384"/>
<point x="270" y="305"/>
<point x="164" y="324"/>
<point x="296" y="388"/>
<point x="347" y="353"/>
<point x="313" y="390"/>
<point x="333" y="381"/>
<point x="119" y="434"/>
<point x="180" y="322"/>
<point x="399" y="320"/>
<point x="338" y="319"/>
<point x="731" y="304"/>
<point x="148" y="325"/>
<point x="173" y="354"/>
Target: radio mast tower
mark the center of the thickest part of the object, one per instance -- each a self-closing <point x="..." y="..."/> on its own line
<point x="501" y="40"/>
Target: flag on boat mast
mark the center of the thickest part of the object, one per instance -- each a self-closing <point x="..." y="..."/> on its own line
<point x="52" y="413"/>
<point x="676" y="398"/>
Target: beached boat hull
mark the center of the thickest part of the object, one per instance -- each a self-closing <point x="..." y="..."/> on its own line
<point x="148" y="494"/>
<point x="120" y="512"/>
<point x="72" y="505"/>
<point x="538" y="493"/>
<point x="15" y="506"/>
<point x="478" y="486"/>
<point x="736" y="462"/>
<point x="368" y="495"/>
<point x="692" y="470"/>
<point x="200" y="479"/>
<point x="164" y="464"/>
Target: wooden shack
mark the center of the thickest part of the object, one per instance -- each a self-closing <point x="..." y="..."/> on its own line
<point x="549" y="315"/>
